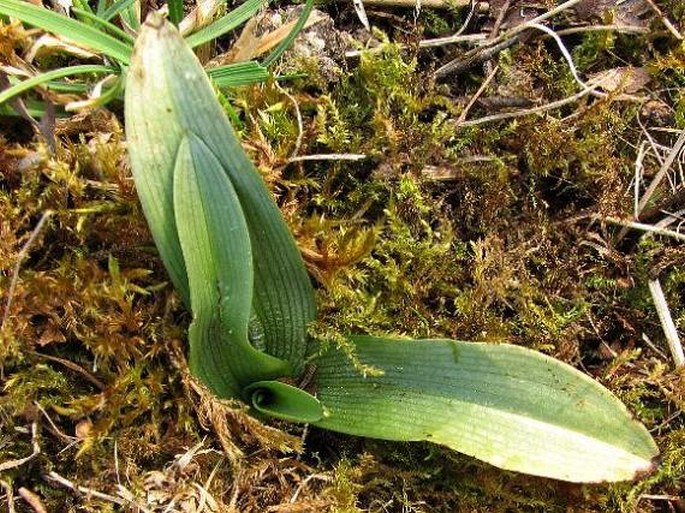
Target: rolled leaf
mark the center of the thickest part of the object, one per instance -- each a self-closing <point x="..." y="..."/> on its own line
<point x="283" y="401"/>
<point x="168" y="95"/>
<point x="216" y="249"/>
<point x="510" y="406"/>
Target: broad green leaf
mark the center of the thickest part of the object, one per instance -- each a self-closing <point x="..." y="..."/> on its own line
<point x="74" y="30"/>
<point x="283" y="401"/>
<point x="512" y="407"/>
<point x="168" y="95"/>
<point x="32" y="82"/>
<point x="216" y="249"/>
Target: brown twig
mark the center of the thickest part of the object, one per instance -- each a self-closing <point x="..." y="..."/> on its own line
<point x="72" y="366"/>
<point x="474" y="98"/>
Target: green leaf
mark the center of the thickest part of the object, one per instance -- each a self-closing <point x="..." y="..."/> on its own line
<point x="81" y="33"/>
<point x="216" y="249"/>
<point x="512" y="407"/>
<point x="238" y="74"/>
<point x="283" y="401"/>
<point x="226" y="23"/>
<point x="104" y="24"/>
<point x="168" y="95"/>
<point x="43" y="78"/>
<point x="288" y="40"/>
<point x="175" y="11"/>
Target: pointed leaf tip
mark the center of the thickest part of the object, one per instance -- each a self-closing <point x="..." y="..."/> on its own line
<point x="507" y="405"/>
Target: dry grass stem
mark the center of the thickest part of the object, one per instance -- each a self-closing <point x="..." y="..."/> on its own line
<point x="526" y="112"/>
<point x="656" y="230"/>
<point x="32" y="499"/>
<point x="9" y="495"/>
<point x="568" y="58"/>
<point x="667" y="23"/>
<point x="439" y="4"/>
<point x="627" y="29"/>
<point x="328" y="156"/>
<point x="20" y="258"/>
<point x="474" y="98"/>
<point x="499" y="43"/>
<point x="8" y="465"/>
<point x="665" y="167"/>
<point x="667" y="323"/>
<point x="54" y="477"/>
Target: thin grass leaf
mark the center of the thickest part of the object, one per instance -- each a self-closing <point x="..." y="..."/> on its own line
<point x="238" y="74"/>
<point x="226" y="23"/>
<point x="507" y="405"/>
<point x="104" y="24"/>
<point x="175" y="11"/>
<point x="130" y="17"/>
<point x="285" y="44"/>
<point x="46" y="77"/>
<point x="79" y="32"/>
<point x="116" y="8"/>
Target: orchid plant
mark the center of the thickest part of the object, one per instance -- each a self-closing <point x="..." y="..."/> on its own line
<point x="237" y="268"/>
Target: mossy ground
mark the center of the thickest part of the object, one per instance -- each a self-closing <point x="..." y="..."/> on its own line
<point x="491" y="232"/>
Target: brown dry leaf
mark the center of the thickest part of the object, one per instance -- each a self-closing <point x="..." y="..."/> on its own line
<point x="83" y="429"/>
<point x="636" y="13"/>
<point x="627" y="79"/>
<point x="50" y="44"/>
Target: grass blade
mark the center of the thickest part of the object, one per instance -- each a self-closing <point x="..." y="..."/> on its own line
<point x="110" y="27"/>
<point x="175" y="11"/>
<point x="509" y="406"/>
<point x="79" y="32"/>
<point x="32" y="82"/>
<point x="238" y="74"/>
<point x="285" y="44"/>
<point x="226" y="23"/>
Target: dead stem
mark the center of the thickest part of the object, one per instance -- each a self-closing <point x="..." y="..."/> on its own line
<point x="32" y="499"/>
<point x="20" y="259"/>
<point x="9" y="494"/>
<point x="526" y="112"/>
<point x="499" y="43"/>
<point x="662" y="172"/>
<point x="8" y="465"/>
<point x="642" y="227"/>
<point x="54" y="477"/>
<point x="667" y="323"/>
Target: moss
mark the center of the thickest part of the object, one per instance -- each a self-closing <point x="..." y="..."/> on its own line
<point x="497" y="247"/>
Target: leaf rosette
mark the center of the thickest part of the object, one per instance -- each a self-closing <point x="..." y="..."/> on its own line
<point x="237" y="268"/>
